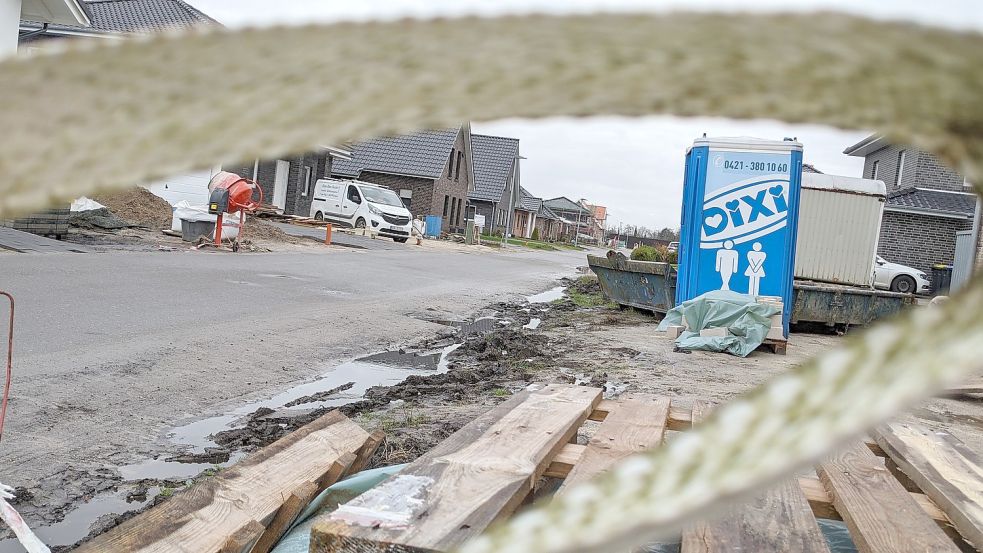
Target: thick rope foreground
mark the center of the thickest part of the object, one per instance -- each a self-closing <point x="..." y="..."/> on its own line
<point x="102" y="117"/>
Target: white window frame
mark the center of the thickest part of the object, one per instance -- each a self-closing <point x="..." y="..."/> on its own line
<point x="899" y="174"/>
<point x="307" y="182"/>
<point x="876" y="169"/>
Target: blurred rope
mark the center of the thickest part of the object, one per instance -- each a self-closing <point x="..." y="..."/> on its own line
<point x="96" y="116"/>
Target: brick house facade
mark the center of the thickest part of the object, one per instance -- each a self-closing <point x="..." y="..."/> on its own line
<point x="431" y="170"/>
<point x="927" y="203"/>
<point x="302" y="172"/>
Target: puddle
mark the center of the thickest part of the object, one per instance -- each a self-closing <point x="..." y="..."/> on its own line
<point x="160" y="469"/>
<point x="382" y="369"/>
<point x="533" y="323"/>
<point x="77" y="523"/>
<point x="481" y="325"/>
<point x="552" y="294"/>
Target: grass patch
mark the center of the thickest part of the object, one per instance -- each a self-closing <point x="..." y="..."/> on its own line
<point x="487" y="239"/>
<point x="500" y="392"/>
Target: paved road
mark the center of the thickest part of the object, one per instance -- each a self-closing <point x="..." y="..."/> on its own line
<point x="343" y="239"/>
<point x="113" y="348"/>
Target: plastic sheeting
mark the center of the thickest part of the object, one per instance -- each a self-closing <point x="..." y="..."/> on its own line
<point x="85" y="204"/>
<point x="746" y="320"/>
<point x="298" y="538"/>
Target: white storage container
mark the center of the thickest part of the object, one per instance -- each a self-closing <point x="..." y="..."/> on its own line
<point x="839" y="223"/>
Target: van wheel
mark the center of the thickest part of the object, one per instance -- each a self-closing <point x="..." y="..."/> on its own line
<point x="400" y="240"/>
<point x="903" y="284"/>
<point x="360" y="223"/>
<point x="318" y="216"/>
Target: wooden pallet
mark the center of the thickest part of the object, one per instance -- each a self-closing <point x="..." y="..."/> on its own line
<point x="484" y="472"/>
<point x="778" y="347"/>
<point x="250" y="505"/>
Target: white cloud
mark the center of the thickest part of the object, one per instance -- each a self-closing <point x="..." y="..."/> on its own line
<point x="635" y="165"/>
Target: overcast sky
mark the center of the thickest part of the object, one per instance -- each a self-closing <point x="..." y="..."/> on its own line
<point x="633" y="166"/>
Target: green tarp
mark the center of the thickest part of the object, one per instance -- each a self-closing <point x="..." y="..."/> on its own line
<point x="747" y="321"/>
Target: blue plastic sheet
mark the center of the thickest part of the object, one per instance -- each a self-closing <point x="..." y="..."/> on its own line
<point x="746" y="320"/>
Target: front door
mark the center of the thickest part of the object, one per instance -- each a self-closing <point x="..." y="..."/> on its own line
<point x="351" y="202"/>
<point x="280" y="184"/>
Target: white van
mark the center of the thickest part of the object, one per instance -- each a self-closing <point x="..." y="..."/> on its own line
<point x="362" y="205"/>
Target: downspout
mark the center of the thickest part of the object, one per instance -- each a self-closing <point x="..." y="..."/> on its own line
<point x="976" y="236"/>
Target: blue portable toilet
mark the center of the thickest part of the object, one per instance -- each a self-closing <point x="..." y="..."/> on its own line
<point x="434" y="223"/>
<point x="740" y="217"/>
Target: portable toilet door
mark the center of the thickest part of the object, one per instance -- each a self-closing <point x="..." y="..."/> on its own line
<point x="739" y="218"/>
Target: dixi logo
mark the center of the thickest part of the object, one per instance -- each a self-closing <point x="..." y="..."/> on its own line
<point x="744" y="211"/>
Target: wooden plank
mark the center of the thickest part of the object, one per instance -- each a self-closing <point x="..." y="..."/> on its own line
<point x="779" y="519"/>
<point x="944" y="469"/>
<point x="880" y="514"/>
<point x="286" y="516"/>
<point x="243" y="538"/>
<point x="822" y="505"/>
<point x="365" y="453"/>
<point x="479" y="474"/>
<point x="679" y="418"/>
<point x="638" y="423"/>
<point x="564" y="461"/>
<point x="205" y="516"/>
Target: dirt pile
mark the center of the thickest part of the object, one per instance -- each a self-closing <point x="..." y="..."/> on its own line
<point x="258" y="229"/>
<point x="139" y="206"/>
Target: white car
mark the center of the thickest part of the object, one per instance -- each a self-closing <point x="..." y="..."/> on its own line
<point x="362" y="205"/>
<point x="899" y="278"/>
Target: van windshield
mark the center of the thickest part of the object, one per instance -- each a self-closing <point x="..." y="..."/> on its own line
<point x="381" y="196"/>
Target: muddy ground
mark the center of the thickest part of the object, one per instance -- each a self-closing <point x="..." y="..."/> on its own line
<point x="580" y="338"/>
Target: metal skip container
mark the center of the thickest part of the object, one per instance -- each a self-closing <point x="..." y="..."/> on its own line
<point x="739" y="218"/>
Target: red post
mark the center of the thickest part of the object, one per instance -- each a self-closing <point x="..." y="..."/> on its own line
<point x="327" y="234"/>
<point x="218" y="229"/>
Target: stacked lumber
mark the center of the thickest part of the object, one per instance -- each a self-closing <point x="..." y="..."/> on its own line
<point x="777" y="330"/>
<point x="249" y="506"/>
<point x="484" y="471"/>
<point x="452" y="493"/>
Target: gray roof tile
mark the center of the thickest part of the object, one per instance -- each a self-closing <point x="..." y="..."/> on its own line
<point x="138" y="16"/>
<point x="528" y="202"/>
<point x="565" y="204"/>
<point x="422" y="154"/>
<point x="493" y="158"/>
<point x="924" y="199"/>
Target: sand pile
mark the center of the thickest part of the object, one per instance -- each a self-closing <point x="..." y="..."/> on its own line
<point x="138" y="206"/>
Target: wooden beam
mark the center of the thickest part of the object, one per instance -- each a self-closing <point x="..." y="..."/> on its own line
<point x="223" y="512"/>
<point x="880" y="514"/>
<point x="638" y="423"/>
<point x="286" y="516"/>
<point x="679" y="418"/>
<point x="563" y="463"/>
<point x="778" y="520"/>
<point x="479" y="474"/>
<point x="822" y="505"/>
<point x="945" y="469"/>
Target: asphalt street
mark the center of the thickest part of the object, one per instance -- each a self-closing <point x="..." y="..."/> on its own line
<point x="112" y="349"/>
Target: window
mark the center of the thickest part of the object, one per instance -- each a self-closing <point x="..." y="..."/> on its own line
<point x="900" y="172"/>
<point x="875" y="169"/>
<point x="307" y="181"/>
<point x="446" y="199"/>
<point x="460" y="156"/>
<point x="450" y="165"/>
<point x="353" y="195"/>
<point x="453" y="211"/>
<point x="406" y="196"/>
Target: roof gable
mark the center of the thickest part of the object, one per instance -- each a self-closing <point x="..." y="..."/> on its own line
<point x="565" y="204"/>
<point x="423" y="154"/>
<point x="493" y="158"/>
<point x="528" y="202"/>
<point x="866" y="146"/>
